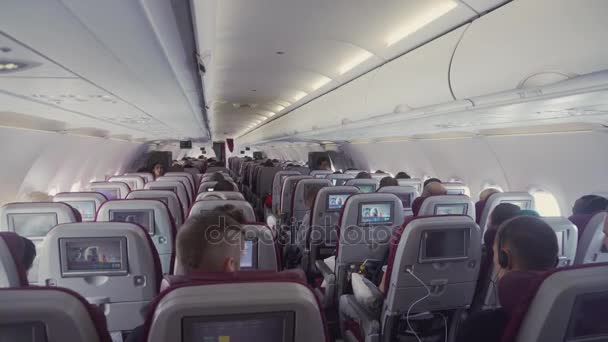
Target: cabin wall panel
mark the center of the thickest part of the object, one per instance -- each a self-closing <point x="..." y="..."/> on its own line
<point x="36" y="161"/>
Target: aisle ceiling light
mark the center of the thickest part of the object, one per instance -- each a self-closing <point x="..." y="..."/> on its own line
<point x="358" y="59"/>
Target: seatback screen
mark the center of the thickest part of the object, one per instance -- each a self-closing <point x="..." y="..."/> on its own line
<point x="23" y="332"/>
<point x="366" y="188"/>
<point x="249" y="255"/>
<point x="523" y="204"/>
<point x="370" y="213"/>
<point x="93" y="256"/>
<point x="85" y="208"/>
<point x="335" y="202"/>
<point x="142" y="217"/>
<point x="406" y="199"/>
<point x="111" y="194"/>
<point x="451" y="209"/>
<point x="455" y="191"/>
<point x="588" y="318"/>
<point x="258" y="327"/>
<point x="441" y="245"/>
<point x="32" y="225"/>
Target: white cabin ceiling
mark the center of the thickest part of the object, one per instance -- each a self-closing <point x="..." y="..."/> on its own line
<point x="274" y="55"/>
<point x="116" y="66"/>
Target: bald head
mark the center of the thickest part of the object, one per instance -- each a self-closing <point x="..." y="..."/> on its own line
<point x="434" y="189"/>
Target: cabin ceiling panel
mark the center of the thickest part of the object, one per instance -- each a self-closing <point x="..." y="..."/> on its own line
<point x="129" y="49"/>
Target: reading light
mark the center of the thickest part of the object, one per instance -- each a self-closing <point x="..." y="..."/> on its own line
<point x="10" y="66"/>
<point x="360" y="58"/>
<point x="300" y="95"/>
<point x="321" y="82"/>
<point x="416" y="23"/>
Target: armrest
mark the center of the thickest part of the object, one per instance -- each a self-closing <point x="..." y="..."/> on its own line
<point x="367" y="293"/>
<point x="324" y="268"/>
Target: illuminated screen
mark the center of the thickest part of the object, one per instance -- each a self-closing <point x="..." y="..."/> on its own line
<point x="454" y="191"/>
<point x="210" y="189"/>
<point x="375" y="213"/>
<point x="406" y="199"/>
<point x="32" y="225"/>
<point x="444" y="244"/>
<point x="98" y="256"/>
<point x="143" y="217"/>
<point x="365" y="188"/>
<point x="321" y="176"/>
<point x="23" y="332"/>
<point x="258" y="327"/>
<point x="521" y="204"/>
<point x="85" y="208"/>
<point x="335" y="202"/>
<point x="110" y="194"/>
<point x="451" y="209"/>
<point x="248" y="256"/>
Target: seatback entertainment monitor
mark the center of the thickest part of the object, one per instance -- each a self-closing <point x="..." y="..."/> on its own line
<point x="32" y="224"/>
<point x="93" y="256"/>
<point x="376" y="213"/>
<point x="142" y="217"/>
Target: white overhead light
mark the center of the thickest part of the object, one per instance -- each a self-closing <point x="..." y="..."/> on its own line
<point x="358" y="59"/>
<point x="283" y="103"/>
<point x="264" y="119"/>
<point x="414" y="24"/>
<point x="300" y="95"/>
<point x="321" y="82"/>
<point x="279" y="108"/>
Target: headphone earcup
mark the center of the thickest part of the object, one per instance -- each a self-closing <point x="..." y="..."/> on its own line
<point x="503" y="259"/>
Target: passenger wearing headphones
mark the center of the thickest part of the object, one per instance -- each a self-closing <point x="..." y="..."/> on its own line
<point x="525" y="248"/>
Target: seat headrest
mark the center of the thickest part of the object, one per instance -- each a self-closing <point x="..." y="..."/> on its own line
<point x="331" y="199"/>
<point x="415" y="182"/>
<point x="166" y="196"/>
<point x="456" y="188"/>
<point x="372" y="209"/>
<point x="147" y="176"/>
<point x="590" y="247"/>
<point x="12" y="250"/>
<point x="320" y="173"/>
<point x="226" y="195"/>
<point x="35" y="219"/>
<point x="58" y="313"/>
<point x="364" y="185"/>
<point x="87" y="203"/>
<point x="280" y="304"/>
<point x="447" y="205"/>
<point x="567" y="238"/>
<point x="134" y="182"/>
<point x="112" y="190"/>
<point x="339" y="179"/>
<point x="522" y="199"/>
<point x="244" y="206"/>
<point x="406" y="193"/>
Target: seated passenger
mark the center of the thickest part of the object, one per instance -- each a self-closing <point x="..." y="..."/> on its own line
<point x="388" y="181"/>
<point x="217" y="177"/>
<point x="232" y="211"/>
<point x="589" y="204"/>
<point x="363" y="175"/>
<point x="29" y="253"/>
<point x="223" y="185"/>
<point x="402" y="175"/>
<point x="323" y="163"/>
<point x="379" y="171"/>
<point x="206" y="244"/>
<point x="432" y="180"/>
<point x="525" y="247"/>
<point x="309" y="200"/>
<point x="158" y="170"/>
<point x="483" y="196"/>
<point x="500" y="214"/>
<point x="430" y="189"/>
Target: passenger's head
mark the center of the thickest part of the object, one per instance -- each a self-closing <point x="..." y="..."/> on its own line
<point x="402" y="175"/>
<point x="502" y="213"/>
<point x="216" y="177"/>
<point x="431" y="180"/>
<point x="323" y="163"/>
<point x="388" y="181"/>
<point x="310" y="194"/>
<point x="589" y="204"/>
<point x="363" y="175"/>
<point x="223" y="185"/>
<point x="525" y="243"/>
<point x="232" y="211"/>
<point x="29" y="253"/>
<point x="379" y="171"/>
<point x="210" y="242"/>
<point x="484" y="195"/>
<point x="529" y="212"/>
<point x="434" y="189"/>
<point x="337" y="172"/>
<point x="268" y="163"/>
<point x="158" y="170"/>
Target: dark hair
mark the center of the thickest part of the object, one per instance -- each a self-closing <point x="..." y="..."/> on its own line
<point x="363" y="175"/>
<point x="216" y="177"/>
<point x="322" y="159"/>
<point x="531" y="241"/>
<point x="29" y="253"/>
<point x="431" y="180"/>
<point x="337" y="172"/>
<point x="310" y="193"/>
<point x="223" y="185"/>
<point x="232" y="211"/>
<point x="589" y="204"/>
<point x="503" y="212"/>
<point x="402" y="175"/>
<point x="388" y="181"/>
<point x="379" y="171"/>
